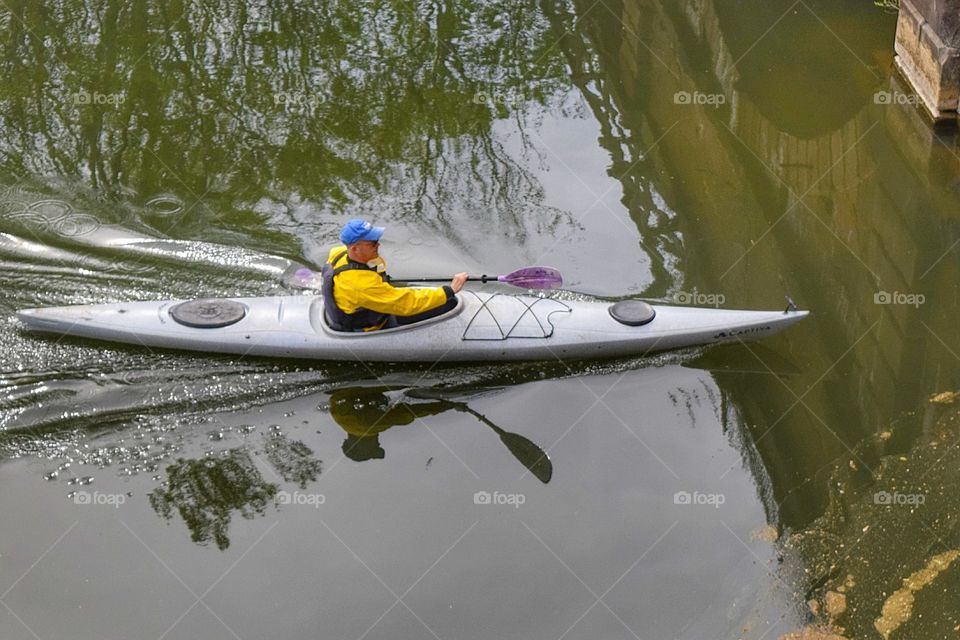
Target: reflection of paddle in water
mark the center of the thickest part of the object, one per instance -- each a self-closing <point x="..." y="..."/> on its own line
<point x="365" y="412"/>
<point x="529" y="454"/>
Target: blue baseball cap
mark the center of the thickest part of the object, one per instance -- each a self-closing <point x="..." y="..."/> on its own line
<point x="357" y="230"/>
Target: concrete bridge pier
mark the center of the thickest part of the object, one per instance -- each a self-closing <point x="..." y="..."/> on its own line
<point x="928" y="53"/>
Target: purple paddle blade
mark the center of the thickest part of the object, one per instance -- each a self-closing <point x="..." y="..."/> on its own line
<point x="306" y="278"/>
<point x="534" y="278"/>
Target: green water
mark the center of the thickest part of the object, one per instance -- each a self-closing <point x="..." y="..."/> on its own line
<point x="724" y="153"/>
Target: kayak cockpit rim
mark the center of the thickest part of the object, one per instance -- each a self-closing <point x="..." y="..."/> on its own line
<point x="318" y="320"/>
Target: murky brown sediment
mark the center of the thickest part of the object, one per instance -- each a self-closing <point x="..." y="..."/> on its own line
<point x="884" y="544"/>
<point x="898" y="608"/>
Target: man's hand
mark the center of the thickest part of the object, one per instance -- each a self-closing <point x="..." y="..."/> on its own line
<point x="458" y="281"/>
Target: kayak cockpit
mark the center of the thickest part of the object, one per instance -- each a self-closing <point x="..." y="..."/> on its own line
<point x="489" y="317"/>
<point x="321" y="324"/>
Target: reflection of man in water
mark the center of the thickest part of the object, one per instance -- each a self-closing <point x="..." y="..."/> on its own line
<point x="365" y="412"/>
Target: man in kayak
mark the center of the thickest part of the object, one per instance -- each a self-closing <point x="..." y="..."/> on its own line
<point x="358" y="295"/>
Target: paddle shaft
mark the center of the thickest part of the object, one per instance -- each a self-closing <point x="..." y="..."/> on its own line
<point x="483" y="278"/>
<point x="528" y="278"/>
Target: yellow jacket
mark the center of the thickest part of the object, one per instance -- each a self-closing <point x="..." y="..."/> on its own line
<point x="356" y="289"/>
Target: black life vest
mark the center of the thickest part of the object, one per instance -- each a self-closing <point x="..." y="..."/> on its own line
<point x="337" y="318"/>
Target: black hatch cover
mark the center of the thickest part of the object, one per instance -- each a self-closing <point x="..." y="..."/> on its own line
<point x="208" y="313"/>
<point x="632" y="312"/>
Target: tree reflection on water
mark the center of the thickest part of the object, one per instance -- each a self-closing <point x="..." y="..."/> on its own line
<point x="240" y="106"/>
<point x="206" y="492"/>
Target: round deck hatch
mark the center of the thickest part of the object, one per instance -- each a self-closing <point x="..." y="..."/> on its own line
<point x="208" y="313"/>
<point x="632" y="312"/>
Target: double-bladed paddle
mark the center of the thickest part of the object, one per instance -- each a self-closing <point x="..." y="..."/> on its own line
<point x="525" y="278"/>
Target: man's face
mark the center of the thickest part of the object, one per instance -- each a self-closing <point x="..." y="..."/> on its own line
<point x="367" y="250"/>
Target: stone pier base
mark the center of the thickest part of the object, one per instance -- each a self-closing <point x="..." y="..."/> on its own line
<point x="928" y="53"/>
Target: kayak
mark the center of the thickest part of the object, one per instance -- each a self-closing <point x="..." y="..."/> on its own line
<point x="484" y="326"/>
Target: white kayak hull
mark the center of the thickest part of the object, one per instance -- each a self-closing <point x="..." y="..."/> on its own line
<point x="484" y="327"/>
